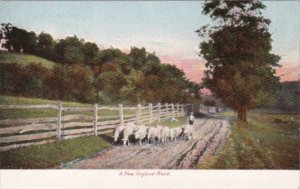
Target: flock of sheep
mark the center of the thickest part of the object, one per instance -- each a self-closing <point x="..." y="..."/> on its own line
<point x="158" y="134"/>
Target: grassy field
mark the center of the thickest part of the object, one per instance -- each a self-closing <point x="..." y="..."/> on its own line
<point x="10" y="57"/>
<point x="169" y="123"/>
<point x="11" y="114"/>
<point x="47" y="155"/>
<point x="51" y="155"/>
<point x="266" y="141"/>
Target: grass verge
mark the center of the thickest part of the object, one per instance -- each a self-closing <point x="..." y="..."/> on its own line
<point x="51" y="155"/>
<point x="261" y="143"/>
<point x="169" y="123"/>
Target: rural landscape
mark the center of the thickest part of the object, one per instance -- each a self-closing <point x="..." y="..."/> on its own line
<point x="149" y="90"/>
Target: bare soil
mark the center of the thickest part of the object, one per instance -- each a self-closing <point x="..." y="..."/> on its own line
<point x="209" y="135"/>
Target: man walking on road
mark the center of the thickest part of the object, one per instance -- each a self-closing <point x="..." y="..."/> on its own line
<point x="191" y="119"/>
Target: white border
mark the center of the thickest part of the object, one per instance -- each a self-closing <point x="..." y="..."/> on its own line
<point x="185" y="179"/>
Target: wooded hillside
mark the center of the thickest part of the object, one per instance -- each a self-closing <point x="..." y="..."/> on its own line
<point x="85" y="73"/>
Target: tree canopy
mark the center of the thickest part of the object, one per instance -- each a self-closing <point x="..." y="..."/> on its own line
<point x="237" y="49"/>
<point x="86" y="73"/>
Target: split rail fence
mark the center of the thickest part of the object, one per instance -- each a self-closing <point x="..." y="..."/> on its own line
<point x="73" y="122"/>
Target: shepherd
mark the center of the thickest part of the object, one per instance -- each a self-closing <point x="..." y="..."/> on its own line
<point x="191" y="119"/>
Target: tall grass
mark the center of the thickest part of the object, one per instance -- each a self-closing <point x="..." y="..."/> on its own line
<point x="261" y="143"/>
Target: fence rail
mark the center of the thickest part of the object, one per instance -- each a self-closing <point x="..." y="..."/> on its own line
<point x="73" y="122"/>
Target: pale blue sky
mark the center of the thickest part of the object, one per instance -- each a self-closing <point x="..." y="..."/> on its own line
<point x="166" y="27"/>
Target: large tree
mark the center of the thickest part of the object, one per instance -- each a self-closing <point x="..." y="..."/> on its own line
<point x="237" y="48"/>
<point x="16" y="39"/>
<point x="45" y="46"/>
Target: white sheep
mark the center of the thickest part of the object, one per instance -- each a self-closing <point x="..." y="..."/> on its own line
<point x="141" y="133"/>
<point x="165" y="134"/>
<point x="172" y="134"/>
<point x="119" y="131"/>
<point x="153" y="133"/>
<point x="129" y="130"/>
<point x="188" y="131"/>
<point x="175" y="133"/>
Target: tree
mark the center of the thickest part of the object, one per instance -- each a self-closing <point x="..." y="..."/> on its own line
<point x="138" y="57"/>
<point x="110" y="84"/>
<point x="73" y="55"/>
<point x="90" y="51"/>
<point x="16" y="39"/>
<point x="152" y="64"/>
<point x="70" y="50"/>
<point x="6" y="29"/>
<point x="45" y="46"/>
<point x="24" y="80"/>
<point x="240" y="66"/>
<point x="72" y="83"/>
<point x="133" y="90"/>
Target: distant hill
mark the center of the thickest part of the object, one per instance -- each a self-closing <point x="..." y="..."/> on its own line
<point x="11" y="57"/>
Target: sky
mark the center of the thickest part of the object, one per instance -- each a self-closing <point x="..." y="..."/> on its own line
<point x="164" y="27"/>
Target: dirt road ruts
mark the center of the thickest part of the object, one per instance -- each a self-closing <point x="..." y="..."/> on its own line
<point x="210" y="134"/>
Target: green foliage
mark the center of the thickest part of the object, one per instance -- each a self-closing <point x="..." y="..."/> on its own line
<point x="73" y="55"/>
<point x="287" y="98"/>
<point x="138" y="57"/>
<point x="110" y="84"/>
<point x="70" y="51"/>
<point x="17" y="39"/>
<point x="23" y="80"/>
<point x="240" y="67"/>
<point x="133" y="90"/>
<point x="86" y="74"/>
<point x="90" y="51"/>
<point x="72" y="83"/>
<point x="45" y="45"/>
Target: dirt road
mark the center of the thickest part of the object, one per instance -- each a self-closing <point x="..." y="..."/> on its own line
<point x="210" y="134"/>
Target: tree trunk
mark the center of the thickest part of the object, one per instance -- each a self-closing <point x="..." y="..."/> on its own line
<point x="242" y="114"/>
<point x="239" y="114"/>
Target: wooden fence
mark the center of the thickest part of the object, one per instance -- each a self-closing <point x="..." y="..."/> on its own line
<point x="73" y="122"/>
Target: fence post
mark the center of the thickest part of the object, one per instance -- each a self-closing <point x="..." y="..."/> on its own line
<point x="177" y="109"/>
<point x="158" y="119"/>
<point x="150" y="112"/>
<point x="59" y="114"/>
<point x="95" y="119"/>
<point x="182" y="106"/>
<point x="138" y="113"/>
<point x="121" y="114"/>
<point x="173" y="112"/>
<point x="167" y="109"/>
